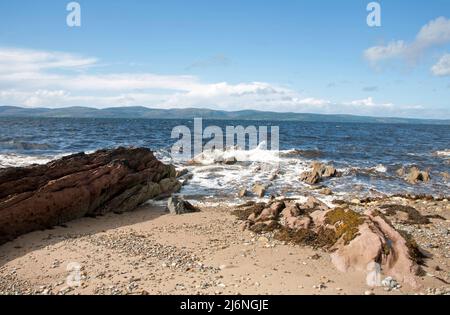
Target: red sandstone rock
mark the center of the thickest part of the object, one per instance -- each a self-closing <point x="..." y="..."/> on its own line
<point x="119" y="180"/>
<point x="319" y="171"/>
<point x="355" y="241"/>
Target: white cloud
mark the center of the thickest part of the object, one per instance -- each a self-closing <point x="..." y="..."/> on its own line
<point x="253" y="95"/>
<point x="313" y="101"/>
<point x="436" y="32"/>
<point x="53" y="79"/>
<point x="24" y="60"/>
<point x="369" y="102"/>
<point x="34" y="78"/>
<point x="442" y="67"/>
<point x="392" y="50"/>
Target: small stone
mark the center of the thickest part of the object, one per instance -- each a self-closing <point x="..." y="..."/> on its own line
<point x="326" y="191"/>
<point x="177" y="205"/>
<point x="389" y="283"/>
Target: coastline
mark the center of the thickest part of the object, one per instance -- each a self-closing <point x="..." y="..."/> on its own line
<point x="123" y="244"/>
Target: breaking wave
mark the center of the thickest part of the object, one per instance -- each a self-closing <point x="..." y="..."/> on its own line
<point x="258" y="154"/>
<point x="20" y="160"/>
<point x="444" y="153"/>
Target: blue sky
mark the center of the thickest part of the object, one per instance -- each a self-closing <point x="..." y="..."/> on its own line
<point x="304" y="56"/>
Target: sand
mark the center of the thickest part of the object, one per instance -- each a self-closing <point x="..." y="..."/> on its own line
<point x="150" y="251"/>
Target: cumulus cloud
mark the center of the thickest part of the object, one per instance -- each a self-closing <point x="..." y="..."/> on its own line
<point x="35" y="78"/>
<point x="435" y="33"/>
<point x="392" y="50"/>
<point x="53" y="79"/>
<point x="442" y="67"/>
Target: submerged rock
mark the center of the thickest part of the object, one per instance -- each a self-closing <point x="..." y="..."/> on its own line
<point x="401" y="172"/>
<point x="41" y="196"/>
<point x="177" y="205"/>
<point x="415" y="175"/>
<point x="230" y="161"/>
<point x="243" y="193"/>
<point x="326" y="191"/>
<point x="310" y="177"/>
<point x="259" y="190"/>
<point x="318" y="173"/>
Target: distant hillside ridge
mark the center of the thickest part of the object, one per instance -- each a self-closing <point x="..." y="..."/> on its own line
<point x="190" y="113"/>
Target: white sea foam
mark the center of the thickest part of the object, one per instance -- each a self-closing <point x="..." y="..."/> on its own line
<point x="380" y="168"/>
<point x="276" y="169"/>
<point x="444" y="153"/>
<point x="19" y="160"/>
<point x="16" y="160"/>
<point x="258" y="154"/>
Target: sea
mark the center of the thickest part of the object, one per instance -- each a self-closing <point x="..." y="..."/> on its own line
<point x="368" y="155"/>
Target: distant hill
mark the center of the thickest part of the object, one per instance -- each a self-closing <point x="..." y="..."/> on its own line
<point x="190" y="113"/>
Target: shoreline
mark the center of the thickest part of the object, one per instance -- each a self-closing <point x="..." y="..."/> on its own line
<point x="149" y="251"/>
<point x="95" y="232"/>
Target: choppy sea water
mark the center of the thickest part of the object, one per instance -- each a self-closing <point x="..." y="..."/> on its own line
<point x="368" y="155"/>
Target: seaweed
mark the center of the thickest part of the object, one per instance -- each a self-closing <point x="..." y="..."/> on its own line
<point x="324" y="238"/>
<point x="262" y="227"/>
<point x="346" y="222"/>
<point x="377" y="213"/>
<point x="243" y="214"/>
<point x="300" y="237"/>
<point x="414" y="216"/>
<point x="413" y="249"/>
<point x="436" y="216"/>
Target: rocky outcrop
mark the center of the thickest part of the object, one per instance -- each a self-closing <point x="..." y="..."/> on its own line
<point x="356" y="241"/>
<point x="318" y="173"/>
<point x="42" y="196"/>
